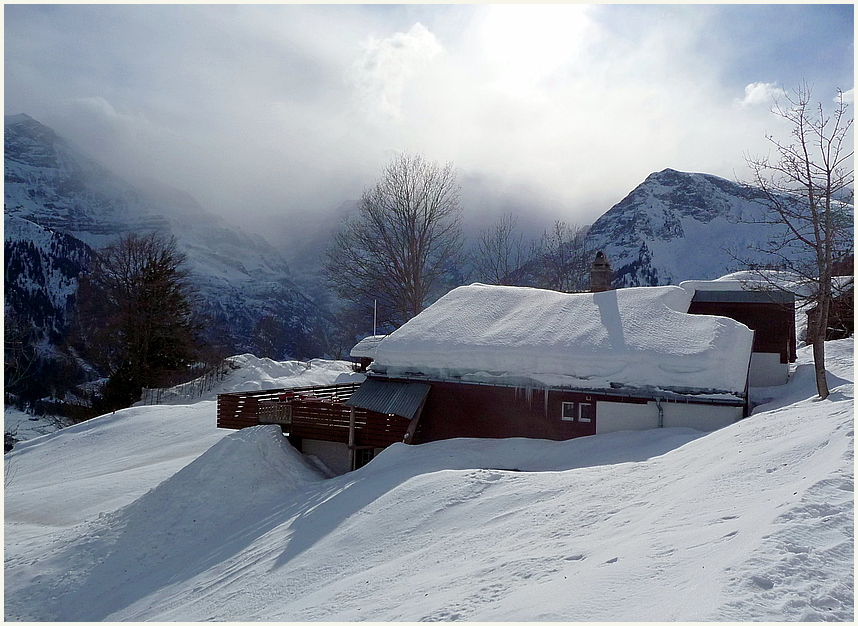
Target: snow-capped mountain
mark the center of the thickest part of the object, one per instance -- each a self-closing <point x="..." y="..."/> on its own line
<point x="40" y="276"/>
<point x="679" y="226"/>
<point x="59" y="190"/>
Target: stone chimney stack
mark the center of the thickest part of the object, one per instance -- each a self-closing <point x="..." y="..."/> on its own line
<point x="600" y="273"/>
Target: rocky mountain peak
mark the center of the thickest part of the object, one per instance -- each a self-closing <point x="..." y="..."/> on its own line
<point x="678" y="226"/>
<point x="30" y="143"/>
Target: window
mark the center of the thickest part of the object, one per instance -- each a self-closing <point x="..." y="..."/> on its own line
<point x="568" y="413"/>
<point x="363" y="456"/>
<point x="582" y="411"/>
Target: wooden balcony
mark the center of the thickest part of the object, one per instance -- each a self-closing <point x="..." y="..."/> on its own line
<point x="313" y="413"/>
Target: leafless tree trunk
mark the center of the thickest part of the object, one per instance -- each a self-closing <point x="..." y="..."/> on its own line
<point x="404" y="241"/>
<point x="808" y="192"/>
<point x="501" y="253"/>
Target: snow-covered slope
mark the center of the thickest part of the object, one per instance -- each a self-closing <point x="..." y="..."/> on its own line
<point x="246" y="372"/>
<point x="50" y="183"/>
<point x="154" y="514"/>
<point x="679" y="226"/>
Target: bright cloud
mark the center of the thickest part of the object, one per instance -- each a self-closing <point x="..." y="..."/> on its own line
<point x="385" y="67"/>
<point x="760" y="93"/>
<point x="270" y="110"/>
<point x="522" y="47"/>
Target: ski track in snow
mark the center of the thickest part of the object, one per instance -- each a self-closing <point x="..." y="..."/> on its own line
<point x="750" y="522"/>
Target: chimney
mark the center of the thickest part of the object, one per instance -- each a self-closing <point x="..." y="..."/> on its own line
<point x="600" y="273"/>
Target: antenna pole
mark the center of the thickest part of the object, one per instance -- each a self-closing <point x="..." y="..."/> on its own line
<point x="374" y="315"/>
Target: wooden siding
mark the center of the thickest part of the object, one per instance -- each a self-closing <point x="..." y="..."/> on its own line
<point x="841" y="314"/>
<point x="773" y="323"/>
<point x="467" y="410"/>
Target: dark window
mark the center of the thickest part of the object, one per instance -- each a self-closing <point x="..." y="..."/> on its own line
<point x="363" y="456"/>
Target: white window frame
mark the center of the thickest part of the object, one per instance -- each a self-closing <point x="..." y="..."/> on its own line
<point x="576" y="414"/>
<point x="572" y="414"/>
<point x="587" y="403"/>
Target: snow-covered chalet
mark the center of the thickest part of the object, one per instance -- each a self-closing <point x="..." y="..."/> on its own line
<point x="493" y="361"/>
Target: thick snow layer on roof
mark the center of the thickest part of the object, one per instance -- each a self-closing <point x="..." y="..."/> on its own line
<point x="366" y="347"/>
<point x="629" y="337"/>
<point x="746" y="280"/>
<point x="751" y="280"/>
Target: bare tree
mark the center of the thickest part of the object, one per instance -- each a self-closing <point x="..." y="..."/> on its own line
<point x="562" y="258"/>
<point x="404" y="241"/>
<point x="501" y="253"/>
<point x="135" y="315"/>
<point x="807" y="186"/>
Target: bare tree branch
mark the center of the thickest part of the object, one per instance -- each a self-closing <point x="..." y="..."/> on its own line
<point x="403" y="242"/>
<point x="501" y="253"/>
<point x="807" y="187"/>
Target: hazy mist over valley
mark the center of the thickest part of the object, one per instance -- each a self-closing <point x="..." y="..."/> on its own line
<point x="278" y="116"/>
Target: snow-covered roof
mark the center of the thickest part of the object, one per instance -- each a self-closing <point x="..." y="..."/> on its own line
<point x="773" y="280"/>
<point x="735" y="291"/>
<point x="747" y="280"/>
<point x="365" y="348"/>
<point x="635" y="337"/>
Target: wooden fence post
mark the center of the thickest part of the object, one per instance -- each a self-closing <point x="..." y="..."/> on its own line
<point x="352" y="437"/>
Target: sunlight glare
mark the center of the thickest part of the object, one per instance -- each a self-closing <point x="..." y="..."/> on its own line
<point x="528" y="43"/>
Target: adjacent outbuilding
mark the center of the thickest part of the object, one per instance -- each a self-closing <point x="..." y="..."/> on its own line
<point x="761" y="306"/>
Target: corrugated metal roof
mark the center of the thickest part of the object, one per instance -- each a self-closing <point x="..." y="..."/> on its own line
<point x="389" y="397"/>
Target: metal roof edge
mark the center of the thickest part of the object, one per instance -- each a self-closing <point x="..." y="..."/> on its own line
<point x="697" y="396"/>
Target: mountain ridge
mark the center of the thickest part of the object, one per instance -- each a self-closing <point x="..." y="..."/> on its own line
<point x="54" y="192"/>
<point x="678" y="226"/>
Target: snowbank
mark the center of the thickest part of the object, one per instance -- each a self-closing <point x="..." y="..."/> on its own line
<point x="62" y="479"/>
<point x="262" y="373"/>
<point x="207" y="511"/>
<point x="24" y="426"/>
<point x="252" y="373"/>
<point x="753" y="522"/>
<point x="630" y="337"/>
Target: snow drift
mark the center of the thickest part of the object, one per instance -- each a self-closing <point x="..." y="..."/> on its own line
<point x="750" y="522"/>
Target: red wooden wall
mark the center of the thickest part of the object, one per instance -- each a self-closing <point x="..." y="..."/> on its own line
<point x="467" y="410"/>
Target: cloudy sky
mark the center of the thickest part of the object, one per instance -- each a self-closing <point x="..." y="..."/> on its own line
<point x="283" y="109"/>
